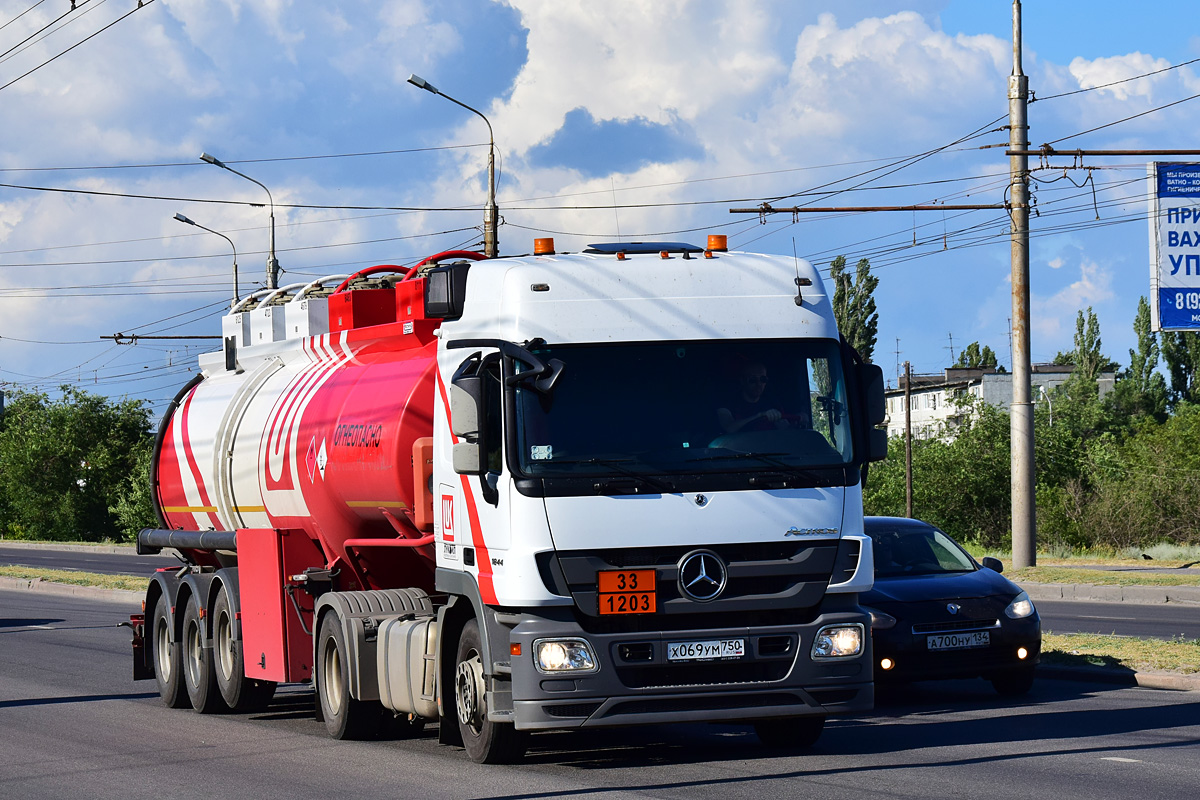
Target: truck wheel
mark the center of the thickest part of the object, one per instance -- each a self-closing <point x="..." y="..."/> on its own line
<point x="486" y="742"/>
<point x="168" y="666"/>
<point x="198" y="673"/>
<point x="239" y="692"/>
<point x="790" y="733"/>
<point x="345" y="717"/>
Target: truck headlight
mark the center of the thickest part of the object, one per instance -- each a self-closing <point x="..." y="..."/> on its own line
<point x="563" y="655"/>
<point x="838" y="641"/>
<point x="1020" y="607"/>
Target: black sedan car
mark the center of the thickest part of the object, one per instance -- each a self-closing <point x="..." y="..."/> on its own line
<point x="937" y="613"/>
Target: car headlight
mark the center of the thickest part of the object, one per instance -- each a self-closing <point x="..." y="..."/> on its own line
<point x="563" y="655"/>
<point x="880" y="621"/>
<point x="838" y="641"/>
<point x="1020" y="607"/>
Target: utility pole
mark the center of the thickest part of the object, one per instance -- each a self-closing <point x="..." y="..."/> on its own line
<point x="908" y="509"/>
<point x="1024" y="511"/>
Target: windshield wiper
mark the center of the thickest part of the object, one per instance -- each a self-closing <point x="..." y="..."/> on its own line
<point x="783" y="469"/>
<point x="616" y="465"/>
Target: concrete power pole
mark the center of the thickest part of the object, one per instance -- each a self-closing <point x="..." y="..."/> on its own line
<point x="908" y="478"/>
<point x="1024" y="511"/>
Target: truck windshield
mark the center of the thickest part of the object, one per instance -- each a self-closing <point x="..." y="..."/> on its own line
<point x="662" y="408"/>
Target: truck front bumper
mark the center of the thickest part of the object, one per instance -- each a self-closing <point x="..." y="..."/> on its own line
<point x="634" y="682"/>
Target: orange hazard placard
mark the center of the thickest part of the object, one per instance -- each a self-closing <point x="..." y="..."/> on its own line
<point x="627" y="591"/>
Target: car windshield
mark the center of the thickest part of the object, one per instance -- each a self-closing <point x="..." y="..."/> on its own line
<point x="915" y="550"/>
<point x="661" y="408"/>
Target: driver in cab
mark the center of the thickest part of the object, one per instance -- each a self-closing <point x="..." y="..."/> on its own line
<point x="751" y="407"/>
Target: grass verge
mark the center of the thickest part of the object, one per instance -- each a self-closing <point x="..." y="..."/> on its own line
<point x="129" y="582"/>
<point x="1099" y="577"/>
<point x="1122" y="652"/>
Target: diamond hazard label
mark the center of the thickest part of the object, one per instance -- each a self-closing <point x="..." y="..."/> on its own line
<point x="310" y="460"/>
<point x="322" y="459"/>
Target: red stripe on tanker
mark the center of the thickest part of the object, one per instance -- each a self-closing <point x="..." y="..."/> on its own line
<point x="199" y="496"/>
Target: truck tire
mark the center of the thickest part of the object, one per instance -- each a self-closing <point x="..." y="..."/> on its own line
<point x="239" y="692"/>
<point x="168" y="666"/>
<point x="790" y="733"/>
<point x="345" y="717"/>
<point x="199" y="676"/>
<point x="486" y="742"/>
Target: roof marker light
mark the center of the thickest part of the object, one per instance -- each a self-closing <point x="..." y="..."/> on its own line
<point x="664" y="254"/>
<point x="718" y="242"/>
<point x="543" y="247"/>
<point x="620" y="255"/>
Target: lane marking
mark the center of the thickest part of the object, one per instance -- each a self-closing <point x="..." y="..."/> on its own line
<point x="1121" y="760"/>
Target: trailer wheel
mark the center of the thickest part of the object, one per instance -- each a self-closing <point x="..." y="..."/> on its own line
<point x="239" y="692"/>
<point x="345" y="717"/>
<point x="198" y="673"/>
<point x="168" y="666"/>
<point x="790" y="733"/>
<point x="486" y="742"/>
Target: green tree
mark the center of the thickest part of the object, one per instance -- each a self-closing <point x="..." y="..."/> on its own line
<point x="854" y="305"/>
<point x="65" y="462"/>
<point x="973" y="357"/>
<point x="1181" y="351"/>
<point x="1142" y="390"/>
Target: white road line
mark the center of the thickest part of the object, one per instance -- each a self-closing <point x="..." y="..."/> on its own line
<point x="1121" y="760"/>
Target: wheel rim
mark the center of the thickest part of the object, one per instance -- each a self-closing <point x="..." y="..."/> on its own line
<point x="191" y="652"/>
<point x="331" y="678"/>
<point x="162" y="649"/>
<point x="224" y="645"/>
<point x="468" y="689"/>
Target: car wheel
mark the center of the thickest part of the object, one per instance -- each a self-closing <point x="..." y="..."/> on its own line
<point x="1014" y="683"/>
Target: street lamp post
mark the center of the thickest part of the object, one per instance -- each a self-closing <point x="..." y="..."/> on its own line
<point x="182" y="218"/>
<point x="491" y="214"/>
<point x="272" y="261"/>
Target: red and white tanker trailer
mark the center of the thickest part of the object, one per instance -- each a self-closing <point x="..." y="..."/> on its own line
<point x="615" y="487"/>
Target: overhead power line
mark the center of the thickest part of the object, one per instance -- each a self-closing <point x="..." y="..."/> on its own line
<point x="141" y="4"/>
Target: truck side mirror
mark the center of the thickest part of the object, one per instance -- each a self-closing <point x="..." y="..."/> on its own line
<point x="870" y="379"/>
<point x="875" y="405"/>
<point x="466" y="417"/>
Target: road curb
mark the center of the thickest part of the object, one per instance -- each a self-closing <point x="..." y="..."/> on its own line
<point x="88" y="592"/>
<point x="109" y="549"/>
<point x="1143" y="595"/>
<point x="1122" y="677"/>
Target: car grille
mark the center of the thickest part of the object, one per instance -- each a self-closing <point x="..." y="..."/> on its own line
<point x="953" y="626"/>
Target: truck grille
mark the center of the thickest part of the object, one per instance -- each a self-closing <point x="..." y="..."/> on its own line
<point x="763" y="577"/>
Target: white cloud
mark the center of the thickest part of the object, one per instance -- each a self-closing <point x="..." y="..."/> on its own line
<point x="1053" y="318"/>
<point x="1103" y="71"/>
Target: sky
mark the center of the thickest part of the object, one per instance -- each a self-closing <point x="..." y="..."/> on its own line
<point x="616" y="120"/>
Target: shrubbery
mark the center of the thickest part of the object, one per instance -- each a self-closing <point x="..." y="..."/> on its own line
<point x="74" y="468"/>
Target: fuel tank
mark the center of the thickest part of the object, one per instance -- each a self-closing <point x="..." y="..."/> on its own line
<point x="328" y="434"/>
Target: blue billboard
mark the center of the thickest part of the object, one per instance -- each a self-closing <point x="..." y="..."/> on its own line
<point x="1175" y="246"/>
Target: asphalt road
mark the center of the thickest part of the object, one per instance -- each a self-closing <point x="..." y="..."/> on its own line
<point x="79" y="561"/>
<point x="76" y="725"/>
<point x="1159" y="621"/>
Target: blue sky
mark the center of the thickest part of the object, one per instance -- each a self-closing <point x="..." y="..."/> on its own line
<point x="686" y="108"/>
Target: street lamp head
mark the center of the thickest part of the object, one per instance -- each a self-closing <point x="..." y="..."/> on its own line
<point x="421" y="83"/>
<point x="211" y="159"/>
<point x="182" y="218"/>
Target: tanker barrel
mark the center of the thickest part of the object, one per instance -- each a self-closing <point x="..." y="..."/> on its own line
<point x="152" y="540"/>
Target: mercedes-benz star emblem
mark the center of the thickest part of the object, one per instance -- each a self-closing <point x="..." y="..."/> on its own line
<point x="702" y="575"/>
<point x="953" y="608"/>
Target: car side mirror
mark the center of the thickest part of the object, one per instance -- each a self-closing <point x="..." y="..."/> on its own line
<point x="994" y="564"/>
